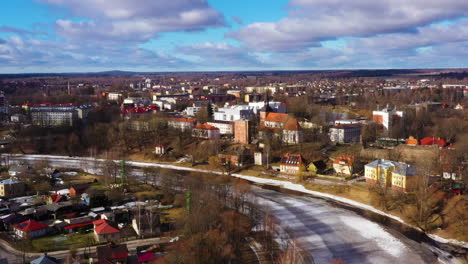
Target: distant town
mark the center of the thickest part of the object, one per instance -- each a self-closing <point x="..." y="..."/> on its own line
<point x="124" y="167"/>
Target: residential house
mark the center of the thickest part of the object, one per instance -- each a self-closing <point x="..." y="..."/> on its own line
<point x="206" y="131"/>
<point x="292" y="164"/>
<point x="103" y="231"/>
<point x="182" y="124"/>
<point x="45" y="259"/>
<point x="345" y="133"/>
<point x="343" y="164"/>
<point x="11" y="188"/>
<point x="390" y="174"/>
<point x="112" y="254"/>
<point x="283" y="125"/>
<point x="78" y="189"/>
<point x="30" y="229"/>
<point x="160" y="149"/>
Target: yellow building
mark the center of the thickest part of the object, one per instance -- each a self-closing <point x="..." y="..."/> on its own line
<point x="390" y="174"/>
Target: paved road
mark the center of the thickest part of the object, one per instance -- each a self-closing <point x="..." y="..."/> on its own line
<point x="14" y="256"/>
<point x="323" y="230"/>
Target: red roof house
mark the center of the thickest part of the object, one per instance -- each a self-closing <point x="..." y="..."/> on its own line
<point x="103" y="231"/>
<point x="30" y="229"/>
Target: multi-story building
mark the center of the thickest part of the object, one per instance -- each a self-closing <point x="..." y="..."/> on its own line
<point x="182" y="124"/>
<point x="390" y="174"/>
<point x="11" y="188"/>
<point x="225" y="128"/>
<point x="345" y="133"/>
<point x="205" y="131"/>
<point x="242" y="132"/>
<point x="234" y="113"/>
<point x="58" y="115"/>
<point x="387" y="117"/>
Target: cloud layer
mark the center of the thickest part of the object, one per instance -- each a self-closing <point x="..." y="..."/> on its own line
<point x="314" y="34"/>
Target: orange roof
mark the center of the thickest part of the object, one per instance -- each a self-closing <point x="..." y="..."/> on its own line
<point x="185" y="120"/>
<point x="411" y="141"/>
<point x="205" y="127"/>
<point x="344" y="159"/>
<point x="105" y="228"/>
<point x="276" y="117"/>
<point x="292" y="124"/>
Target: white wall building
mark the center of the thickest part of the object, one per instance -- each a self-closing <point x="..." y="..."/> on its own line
<point x="225" y="128"/>
<point x="345" y="134"/>
<point x="387" y="117"/>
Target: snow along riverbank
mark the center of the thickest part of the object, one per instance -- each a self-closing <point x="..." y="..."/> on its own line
<point x="283" y="184"/>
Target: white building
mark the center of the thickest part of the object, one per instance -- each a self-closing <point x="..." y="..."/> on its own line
<point x="183" y="124"/>
<point x="206" y="131"/>
<point x="225" y="128"/>
<point x="192" y="110"/>
<point x="277" y="107"/>
<point x="387" y="117"/>
<point x="345" y="134"/>
<point x="114" y="96"/>
<point x="234" y="113"/>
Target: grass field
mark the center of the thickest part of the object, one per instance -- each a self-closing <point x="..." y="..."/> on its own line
<point x="62" y="242"/>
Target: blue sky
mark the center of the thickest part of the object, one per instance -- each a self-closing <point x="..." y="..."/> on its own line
<point x="201" y="35"/>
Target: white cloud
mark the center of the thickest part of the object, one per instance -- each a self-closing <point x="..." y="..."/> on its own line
<point x="136" y="20"/>
<point x="312" y="21"/>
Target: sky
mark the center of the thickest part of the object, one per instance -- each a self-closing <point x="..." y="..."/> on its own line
<point x="226" y="35"/>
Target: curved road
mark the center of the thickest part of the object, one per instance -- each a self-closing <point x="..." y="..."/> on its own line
<point x="328" y="233"/>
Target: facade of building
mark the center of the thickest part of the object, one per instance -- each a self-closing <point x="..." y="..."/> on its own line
<point x="11" y="188"/>
<point x="206" y="131"/>
<point x="390" y="174"/>
<point x="225" y="128"/>
<point x="345" y="133"/>
<point x="58" y="115"/>
<point x="182" y="124"/>
<point x="242" y="132"/>
<point x="234" y="113"/>
<point x="387" y="117"/>
<point x="291" y="164"/>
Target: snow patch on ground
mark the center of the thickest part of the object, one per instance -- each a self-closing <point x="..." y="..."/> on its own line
<point x="374" y="232"/>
